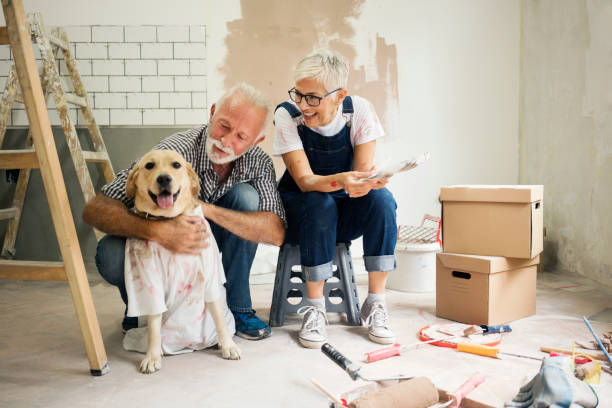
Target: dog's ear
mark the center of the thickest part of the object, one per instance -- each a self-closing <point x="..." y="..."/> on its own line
<point x="194" y="181"/>
<point x="130" y="184"/>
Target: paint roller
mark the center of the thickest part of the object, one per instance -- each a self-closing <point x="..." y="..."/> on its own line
<point x="418" y="392"/>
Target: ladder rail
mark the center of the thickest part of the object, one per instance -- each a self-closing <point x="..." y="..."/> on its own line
<point x="55" y="85"/>
<point x="61" y="214"/>
<point x="92" y="126"/>
<point x="8" y="99"/>
<point x="10" y="235"/>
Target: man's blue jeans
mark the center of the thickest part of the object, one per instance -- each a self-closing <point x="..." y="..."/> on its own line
<point x="316" y="221"/>
<point x="237" y="253"/>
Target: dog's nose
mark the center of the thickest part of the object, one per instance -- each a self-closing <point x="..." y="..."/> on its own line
<point x="163" y="180"/>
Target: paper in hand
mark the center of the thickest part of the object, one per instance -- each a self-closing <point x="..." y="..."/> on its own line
<point x="405" y="165"/>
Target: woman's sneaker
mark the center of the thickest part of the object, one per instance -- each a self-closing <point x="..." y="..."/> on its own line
<point x="375" y="315"/>
<point x="251" y="327"/>
<point x="313" y="332"/>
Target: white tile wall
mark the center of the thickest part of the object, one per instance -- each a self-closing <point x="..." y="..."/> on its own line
<point x="134" y="75"/>
<point x="158" y="117"/>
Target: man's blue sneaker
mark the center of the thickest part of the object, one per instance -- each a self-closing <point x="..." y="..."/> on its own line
<point x="251" y="327"/>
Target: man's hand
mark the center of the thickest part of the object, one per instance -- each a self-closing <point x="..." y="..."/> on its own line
<point x="185" y="234"/>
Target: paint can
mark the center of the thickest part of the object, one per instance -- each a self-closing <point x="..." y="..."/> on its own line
<point x="416" y="267"/>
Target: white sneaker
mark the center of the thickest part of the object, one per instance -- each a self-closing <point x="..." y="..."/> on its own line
<point x="375" y="315"/>
<point x="313" y="332"/>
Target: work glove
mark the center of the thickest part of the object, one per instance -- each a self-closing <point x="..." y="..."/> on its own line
<point x="555" y="386"/>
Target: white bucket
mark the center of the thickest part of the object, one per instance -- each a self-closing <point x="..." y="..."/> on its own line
<point x="416" y="268"/>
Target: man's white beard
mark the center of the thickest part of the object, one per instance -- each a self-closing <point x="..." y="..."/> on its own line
<point x="214" y="157"/>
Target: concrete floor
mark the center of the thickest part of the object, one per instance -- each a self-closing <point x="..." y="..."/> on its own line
<point x="43" y="363"/>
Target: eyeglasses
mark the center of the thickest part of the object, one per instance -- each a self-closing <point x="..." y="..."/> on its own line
<point x="311" y="100"/>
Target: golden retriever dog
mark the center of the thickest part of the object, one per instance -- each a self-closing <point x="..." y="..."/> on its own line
<point x="179" y="293"/>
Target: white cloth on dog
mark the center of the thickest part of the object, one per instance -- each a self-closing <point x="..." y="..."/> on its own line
<point x="177" y="285"/>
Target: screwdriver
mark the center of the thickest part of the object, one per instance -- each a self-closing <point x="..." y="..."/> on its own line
<point x="488" y="351"/>
<point x="396" y="349"/>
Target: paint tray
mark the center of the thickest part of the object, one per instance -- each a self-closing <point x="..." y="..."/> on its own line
<point x="426" y="233"/>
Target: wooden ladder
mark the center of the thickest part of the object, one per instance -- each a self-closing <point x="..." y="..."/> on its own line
<point x="44" y="156"/>
<point x="49" y="46"/>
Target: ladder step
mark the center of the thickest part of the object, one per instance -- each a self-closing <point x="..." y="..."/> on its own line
<point x="96" y="157"/>
<point x="56" y="41"/>
<point x="18" y="159"/>
<point x="8" y="213"/>
<point x="70" y="98"/>
<point x="75" y="100"/>
<point x="32" y="270"/>
<point x="4" y="40"/>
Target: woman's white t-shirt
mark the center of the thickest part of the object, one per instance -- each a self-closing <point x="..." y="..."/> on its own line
<point x="365" y="126"/>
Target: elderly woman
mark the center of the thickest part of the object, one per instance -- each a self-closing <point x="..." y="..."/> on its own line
<point x="327" y="141"/>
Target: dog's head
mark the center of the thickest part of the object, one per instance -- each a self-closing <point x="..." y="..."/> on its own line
<point x="162" y="184"/>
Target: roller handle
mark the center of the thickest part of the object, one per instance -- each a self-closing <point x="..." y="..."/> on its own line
<point x="393" y="350"/>
<point x="478" y="349"/>
<point x="467" y="387"/>
<point x="338" y="358"/>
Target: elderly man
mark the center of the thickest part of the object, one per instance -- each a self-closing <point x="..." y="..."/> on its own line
<point x="238" y="194"/>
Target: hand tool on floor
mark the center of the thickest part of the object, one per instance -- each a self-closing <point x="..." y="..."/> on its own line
<point x="418" y="392"/>
<point x="577" y="359"/>
<point x="340" y="402"/>
<point x="396" y="349"/>
<point x="351" y="368"/>
<point x="504" y="328"/>
<point x="455" y="398"/>
<point x="601" y="346"/>
<point x="435" y="331"/>
<point x="598" y="356"/>
<point x="487" y="351"/>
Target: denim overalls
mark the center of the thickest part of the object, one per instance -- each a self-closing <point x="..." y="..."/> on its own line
<point x="316" y="220"/>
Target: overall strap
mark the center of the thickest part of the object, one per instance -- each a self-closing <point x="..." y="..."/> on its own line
<point x="347" y="105"/>
<point x="347" y="110"/>
<point x="293" y="111"/>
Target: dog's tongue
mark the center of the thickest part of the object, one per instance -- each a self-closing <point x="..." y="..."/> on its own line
<point x="165" y="200"/>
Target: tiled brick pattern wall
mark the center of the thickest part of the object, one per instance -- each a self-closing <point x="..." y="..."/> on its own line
<point x="134" y="75"/>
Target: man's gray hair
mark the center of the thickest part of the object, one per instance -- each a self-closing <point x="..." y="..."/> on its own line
<point x="329" y="68"/>
<point x="250" y="94"/>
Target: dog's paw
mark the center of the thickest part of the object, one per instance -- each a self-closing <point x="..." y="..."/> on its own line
<point x="230" y="351"/>
<point x="151" y="363"/>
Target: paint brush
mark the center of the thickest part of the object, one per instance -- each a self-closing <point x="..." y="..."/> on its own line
<point x="601" y="346"/>
<point x="336" y="400"/>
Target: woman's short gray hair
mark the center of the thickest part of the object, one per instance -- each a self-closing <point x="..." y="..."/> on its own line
<point x="329" y="68"/>
<point x="250" y="94"/>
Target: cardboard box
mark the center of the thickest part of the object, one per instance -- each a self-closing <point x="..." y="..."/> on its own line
<point x="488" y="290"/>
<point x="493" y="220"/>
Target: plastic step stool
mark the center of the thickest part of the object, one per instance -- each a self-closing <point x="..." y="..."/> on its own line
<point x="291" y="284"/>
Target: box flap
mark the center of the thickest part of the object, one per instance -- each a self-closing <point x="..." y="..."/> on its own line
<point x="484" y="264"/>
<point x="492" y="193"/>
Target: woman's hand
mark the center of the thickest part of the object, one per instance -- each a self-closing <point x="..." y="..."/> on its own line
<point x="354" y="185"/>
<point x="379" y="183"/>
